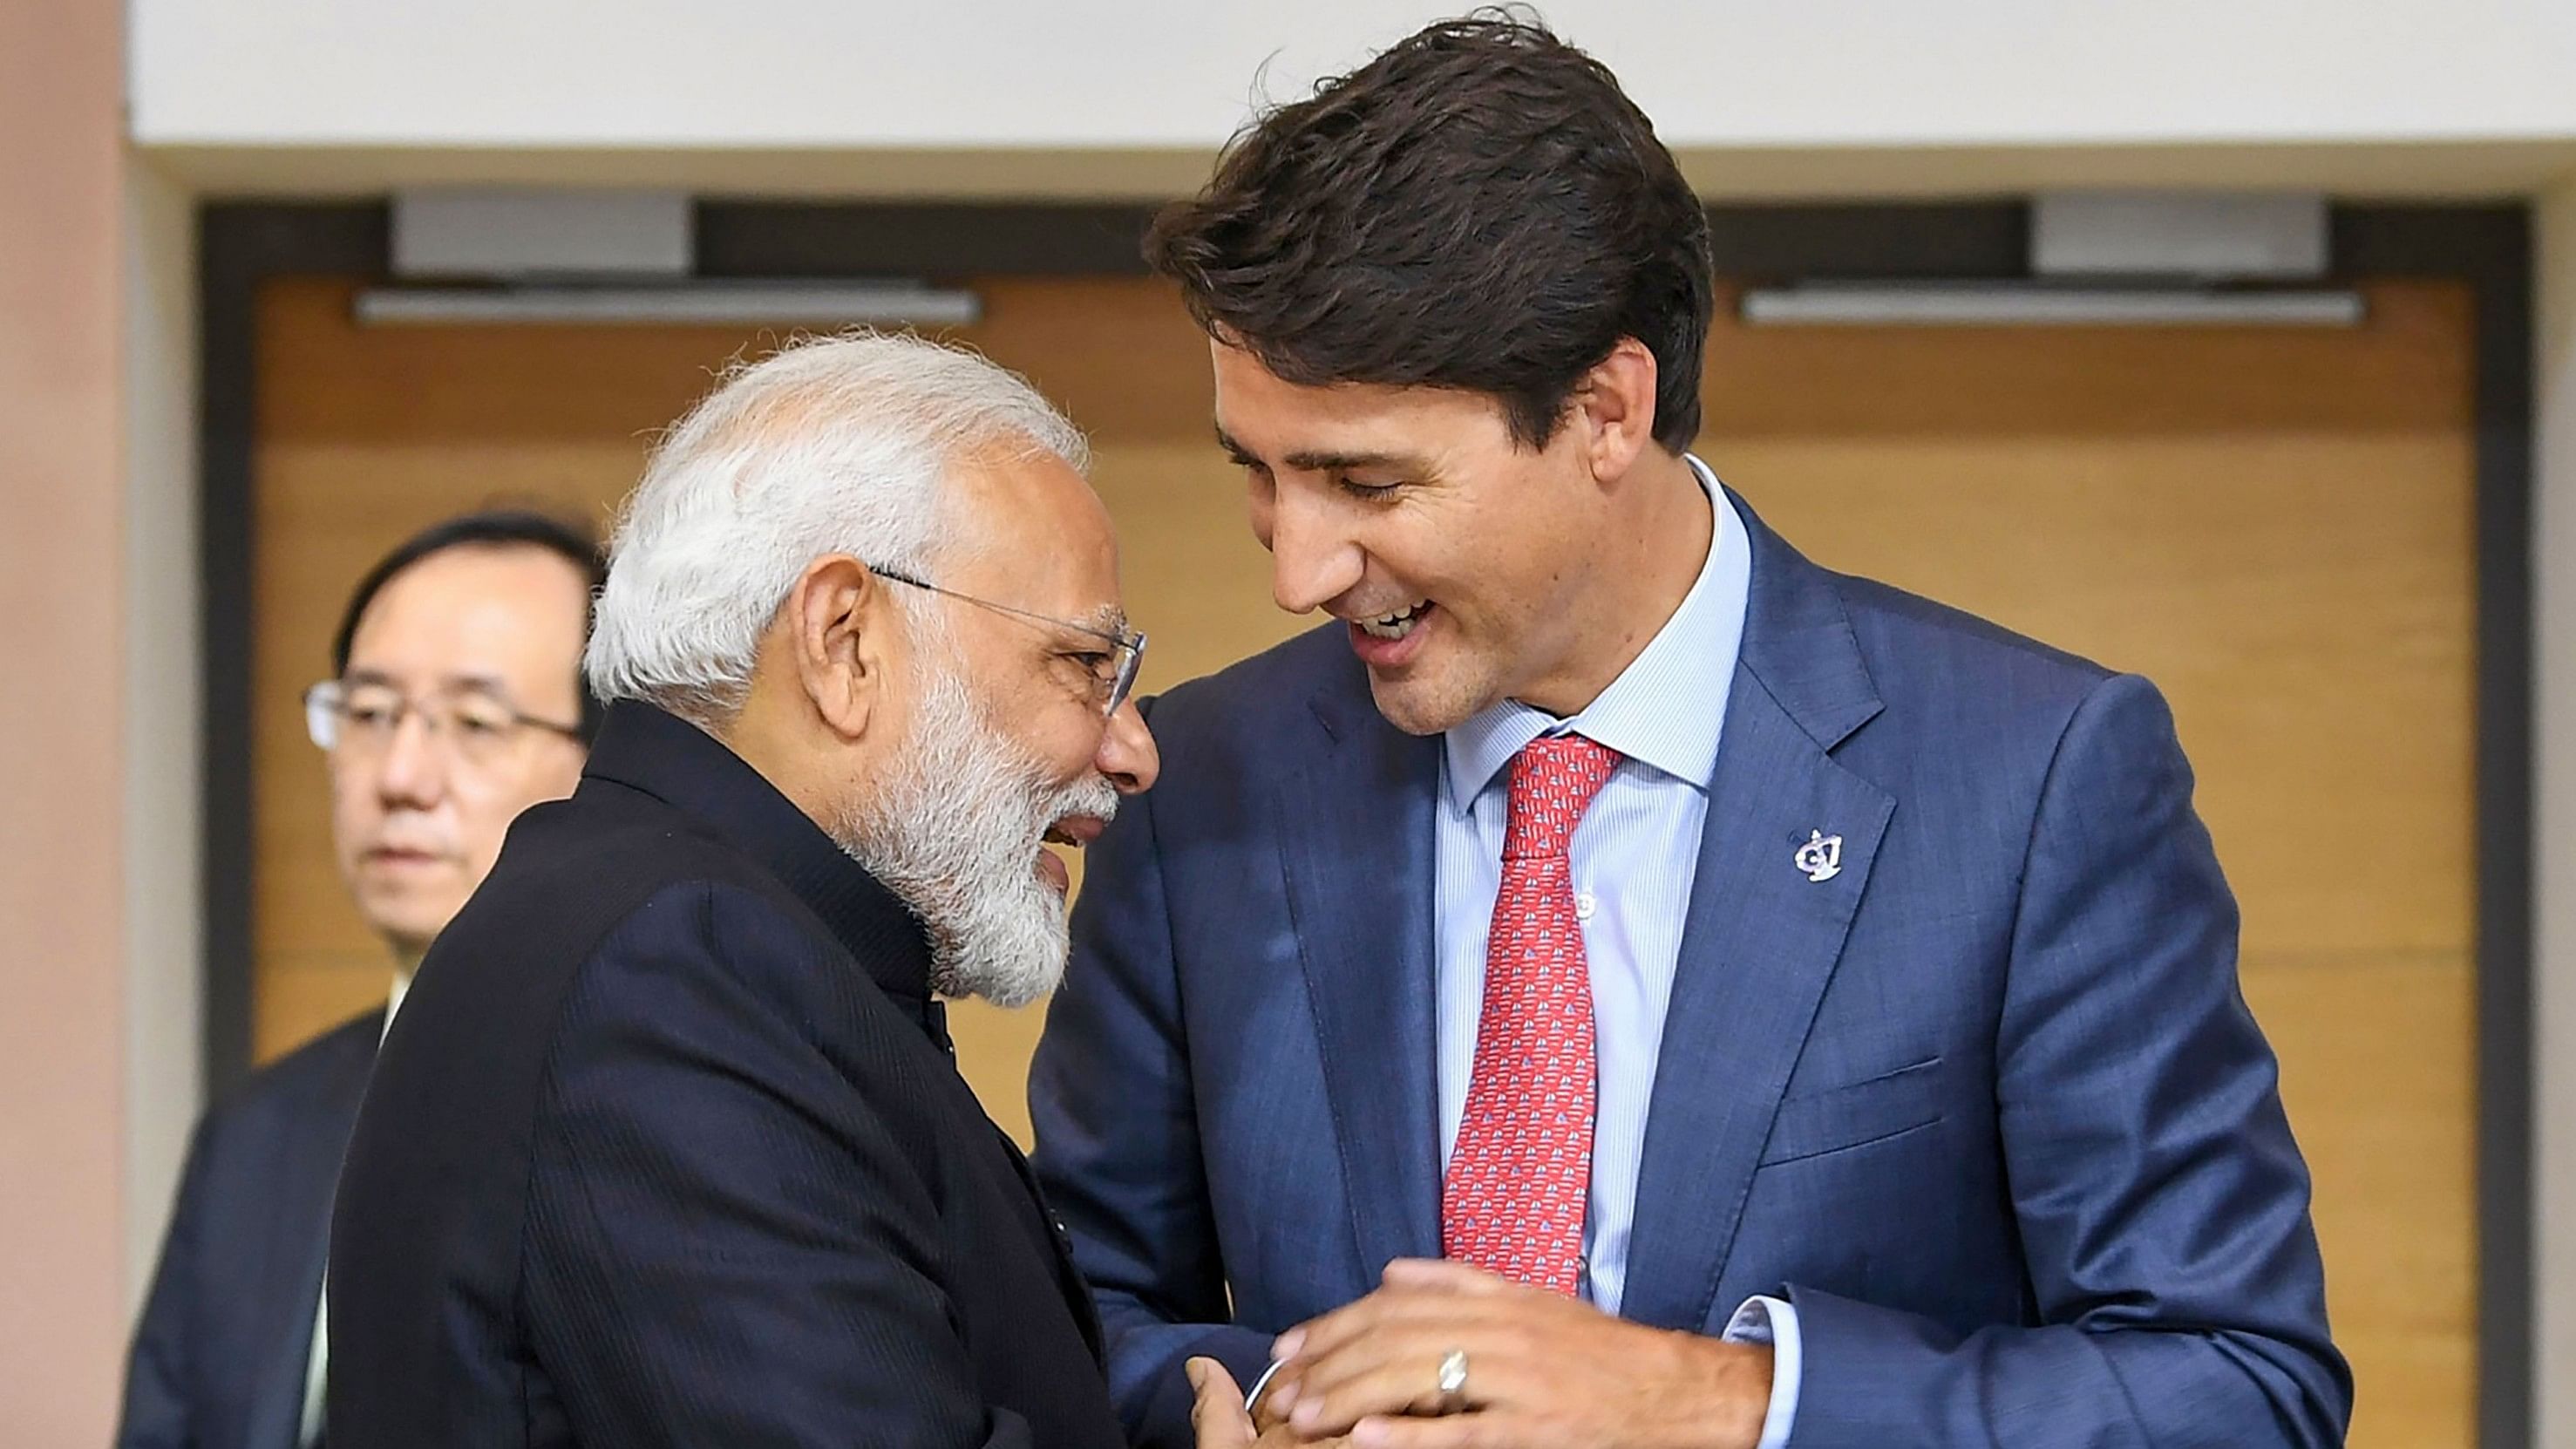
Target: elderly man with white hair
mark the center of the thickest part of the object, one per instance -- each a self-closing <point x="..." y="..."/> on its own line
<point x="668" y="1146"/>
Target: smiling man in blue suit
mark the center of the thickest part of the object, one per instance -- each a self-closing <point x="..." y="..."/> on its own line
<point x="1620" y="983"/>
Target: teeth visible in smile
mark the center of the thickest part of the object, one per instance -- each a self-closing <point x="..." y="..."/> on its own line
<point x="1395" y="625"/>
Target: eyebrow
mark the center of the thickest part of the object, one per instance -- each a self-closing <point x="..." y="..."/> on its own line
<point x="481" y="683"/>
<point x="1108" y="619"/>
<point x="1324" y="461"/>
<point x="1235" y="450"/>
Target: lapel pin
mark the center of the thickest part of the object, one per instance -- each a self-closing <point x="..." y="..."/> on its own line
<point x="1821" y="857"/>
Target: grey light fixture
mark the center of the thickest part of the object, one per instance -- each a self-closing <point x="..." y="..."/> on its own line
<point x="685" y="303"/>
<point x="2114" y="259"/>
<point x="528" y="257"/>
<point x="2025" y="304"/>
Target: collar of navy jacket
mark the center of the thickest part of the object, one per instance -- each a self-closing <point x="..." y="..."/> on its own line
<point x="1759" y="941"/>
<point x="684" y="767"/>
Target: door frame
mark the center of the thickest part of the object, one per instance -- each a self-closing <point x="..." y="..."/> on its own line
<point x="242" y="244"/>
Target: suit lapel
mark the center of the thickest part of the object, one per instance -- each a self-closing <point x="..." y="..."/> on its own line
<point x="299" y="1240"/>
<point x="1356" y="845"/>
<point x="1762" y="935"/>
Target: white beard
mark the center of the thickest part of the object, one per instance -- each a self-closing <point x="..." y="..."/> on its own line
<point x="955" y="834"/>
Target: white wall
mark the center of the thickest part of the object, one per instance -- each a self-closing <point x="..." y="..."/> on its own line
<point x="1133" y="73"/>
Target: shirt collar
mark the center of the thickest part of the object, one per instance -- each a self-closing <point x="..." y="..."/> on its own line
<point x="674" y="761"/>
<point x="1666" y="708"/>
<point x="394" y="1001"/>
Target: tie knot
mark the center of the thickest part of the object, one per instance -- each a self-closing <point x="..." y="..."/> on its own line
<point x="1553" y="782"/>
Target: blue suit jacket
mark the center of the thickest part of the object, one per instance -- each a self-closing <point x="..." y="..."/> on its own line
<point x="1986" y="1105"/>
<point x="221" y="1354"/>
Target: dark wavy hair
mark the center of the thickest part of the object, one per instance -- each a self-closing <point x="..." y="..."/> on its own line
<point x="1478" y="208"/>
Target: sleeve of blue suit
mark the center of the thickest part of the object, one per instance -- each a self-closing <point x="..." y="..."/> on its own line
<point x="2161" y="1202"/>
<point x="1150" y="1256"/>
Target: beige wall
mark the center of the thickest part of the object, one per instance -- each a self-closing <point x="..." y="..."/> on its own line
<point x="2555" y="864"/>
<point x="62" y="772"/>
<point x="163" y="915"/>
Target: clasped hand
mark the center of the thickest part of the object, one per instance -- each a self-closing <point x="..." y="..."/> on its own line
<point x="1542" y="1372"/>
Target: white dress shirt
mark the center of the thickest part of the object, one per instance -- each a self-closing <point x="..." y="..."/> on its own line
<point x="1633" y="857"/>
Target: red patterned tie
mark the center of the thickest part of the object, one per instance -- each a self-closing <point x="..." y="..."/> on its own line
<point x="1522" y="1167"/>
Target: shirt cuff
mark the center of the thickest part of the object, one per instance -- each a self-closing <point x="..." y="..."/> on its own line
<point x="1773" y="1321"/>
<point x="1252" y="1396"/>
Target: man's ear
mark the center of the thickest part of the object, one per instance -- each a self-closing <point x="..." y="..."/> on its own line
<point x="838" y="622"/>
<point x="1617" y="401"/>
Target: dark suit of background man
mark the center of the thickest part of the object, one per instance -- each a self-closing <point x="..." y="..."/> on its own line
<point x="668" y="1146"/>
<point x="454" y="703"/>
<point x="1802" y="1013"/>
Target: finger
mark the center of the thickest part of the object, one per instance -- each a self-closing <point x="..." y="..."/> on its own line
<point x="1396" y="1349"/>
<point x="1378" y="1311"/>
<point x="1211" y="1376"/>
<point x="1404" y="1380"/>
<point x="1386" y="1359"/>
<point x="1494" y="1333"/>
<point x="1216" y="1411"/>
<point x="1445" y="1275"/>
<point x="1457" y="1431"/>
<point x="1278" y="1396"/>
<point x="1330" y="1331"/>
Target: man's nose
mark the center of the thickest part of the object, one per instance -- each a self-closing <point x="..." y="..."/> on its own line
<point x="1312" y="561"/>
<point x="413" y="770"/>
<point x="1127" y="754"/>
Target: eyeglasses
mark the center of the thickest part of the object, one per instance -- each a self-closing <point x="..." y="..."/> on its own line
<point x="359" y="721"/>
<point x="1113" y="674"/>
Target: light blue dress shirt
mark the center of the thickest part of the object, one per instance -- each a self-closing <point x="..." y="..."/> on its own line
<point x="1633" y="857"/>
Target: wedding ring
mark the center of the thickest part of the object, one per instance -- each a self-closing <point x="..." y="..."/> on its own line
<point x="1453" y="1377"/>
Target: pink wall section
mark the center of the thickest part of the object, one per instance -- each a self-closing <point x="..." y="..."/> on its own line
<point x="62" y="1293"/>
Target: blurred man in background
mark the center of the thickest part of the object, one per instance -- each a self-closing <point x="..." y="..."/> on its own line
<point x="711" y="1177"/>
<point x="455" y="702"/>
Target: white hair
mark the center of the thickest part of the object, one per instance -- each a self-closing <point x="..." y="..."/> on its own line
<point x="832" y="445"/>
